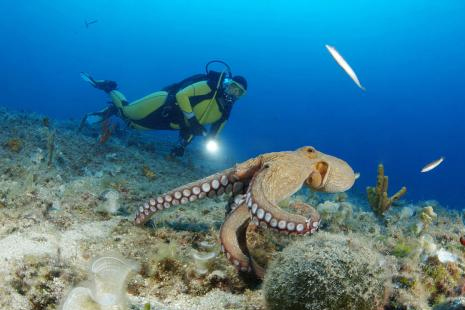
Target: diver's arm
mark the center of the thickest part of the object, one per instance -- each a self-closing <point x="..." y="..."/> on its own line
<point x="183" y="100"/>
<point x="183" y="96"/>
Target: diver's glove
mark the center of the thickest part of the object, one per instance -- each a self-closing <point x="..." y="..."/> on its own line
<point x="211" y="135"/>
<point x="178" y="151"/>
<point x="195" y="128"/>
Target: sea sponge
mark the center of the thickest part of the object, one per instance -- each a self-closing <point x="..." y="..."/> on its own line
<point x="110" y="203"/>
<point x="326" y="272"/>
<point x="79" y="299"/>
<point x="335" y="212"/>
<point x="106" y="290"/>
<point x="202" y="261"/>
<point x="203" y="258"/>
<point x="109" y="275"/>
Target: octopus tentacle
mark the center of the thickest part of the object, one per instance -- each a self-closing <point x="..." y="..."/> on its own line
<point x="234" y="244"/>
<point x="216" y="184"/>
<point x="262" y="199"/>
<point x="247" y="169"/>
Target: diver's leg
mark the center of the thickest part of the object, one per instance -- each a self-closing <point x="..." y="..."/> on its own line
<point x="108" y="87"/>
<point x="138" y="109"/>
<point x="118" y="99"/>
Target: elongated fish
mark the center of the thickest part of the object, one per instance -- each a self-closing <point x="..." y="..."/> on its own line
<point x="433" y="164"/>
<point x="344" y="65"/>
<point x="88" y="23"/>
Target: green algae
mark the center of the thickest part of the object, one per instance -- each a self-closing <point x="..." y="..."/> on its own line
<point x="402" y="250"/>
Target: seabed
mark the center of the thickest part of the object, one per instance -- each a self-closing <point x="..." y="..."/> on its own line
<point x="66" y="199"/>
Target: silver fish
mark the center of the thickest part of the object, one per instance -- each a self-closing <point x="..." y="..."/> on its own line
<point x="433" y="164"/>
<point x="357" y="175"/>
<point x="344" y="65"/>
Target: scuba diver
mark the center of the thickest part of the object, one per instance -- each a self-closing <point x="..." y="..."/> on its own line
<point x="187" y="106"/>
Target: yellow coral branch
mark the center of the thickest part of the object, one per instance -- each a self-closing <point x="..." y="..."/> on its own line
<point x="378" y="196"/>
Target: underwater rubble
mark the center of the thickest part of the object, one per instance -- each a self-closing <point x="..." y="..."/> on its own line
<point x="67" y="198"/>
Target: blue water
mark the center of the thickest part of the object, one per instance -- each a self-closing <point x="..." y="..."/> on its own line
<point x="410" y="55"/>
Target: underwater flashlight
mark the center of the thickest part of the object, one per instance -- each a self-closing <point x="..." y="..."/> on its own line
<point x="212" y="146"/>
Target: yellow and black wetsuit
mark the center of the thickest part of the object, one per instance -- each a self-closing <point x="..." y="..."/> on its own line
<point x="170" y="110"/>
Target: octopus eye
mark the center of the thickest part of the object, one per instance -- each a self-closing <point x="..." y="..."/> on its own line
<point x="310" y="152"/>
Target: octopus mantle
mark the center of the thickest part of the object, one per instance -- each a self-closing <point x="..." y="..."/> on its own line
<point x="257" y="186"/>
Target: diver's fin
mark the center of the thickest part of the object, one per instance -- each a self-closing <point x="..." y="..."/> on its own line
<point x="93" y="118"/>
<point x="86" y="77"/>
<point x="105" y="85"/>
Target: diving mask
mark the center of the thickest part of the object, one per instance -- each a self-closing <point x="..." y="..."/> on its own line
<point x="232" y="88"/>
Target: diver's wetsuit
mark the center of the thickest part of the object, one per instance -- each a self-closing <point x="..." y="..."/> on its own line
<point x="167" y="110"/>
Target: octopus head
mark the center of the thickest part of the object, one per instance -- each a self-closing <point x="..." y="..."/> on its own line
<point x="328" y="174"/>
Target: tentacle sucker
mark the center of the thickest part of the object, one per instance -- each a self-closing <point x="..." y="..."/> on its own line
<point x="262" y="203"/>
<point x="216" y="184"/>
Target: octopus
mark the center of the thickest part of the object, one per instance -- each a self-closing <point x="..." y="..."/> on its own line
<point x="257" y="186"/>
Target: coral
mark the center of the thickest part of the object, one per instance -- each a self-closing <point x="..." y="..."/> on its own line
<point x="14" y="145"/>
<point x="107" y="129"/>
<point x="427" y="215"/>
<point x="167" y="268"/>
<point x="164" y="263"/>
<point x="46" y="122"/>
<point x="425" y="218"/>
<point x="148" y="173"/>
<point x="440" y="279"/>
<point x="428" y="245"/>
<point x="326" y="272"/>
<point x="452" y="304"/>
<point x="50" y="147"/>
<point x="335" y="212"/>
<point x="404" y="281"/>
<point x="378" y="197"/>
<point x="42" y="280"/>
